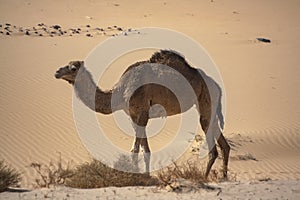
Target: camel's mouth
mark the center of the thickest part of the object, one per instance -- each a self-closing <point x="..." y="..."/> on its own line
<point x="57" y="75"/>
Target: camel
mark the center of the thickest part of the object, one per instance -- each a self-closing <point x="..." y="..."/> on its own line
<point x="137" y="102"/>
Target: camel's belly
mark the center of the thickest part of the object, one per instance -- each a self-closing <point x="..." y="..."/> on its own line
<point x="158" y="101"/>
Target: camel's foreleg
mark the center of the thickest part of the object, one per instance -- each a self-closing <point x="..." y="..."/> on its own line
<point x="147" y="153"/>
<point x="139" y="125"/>
<point x="135" y="154"/>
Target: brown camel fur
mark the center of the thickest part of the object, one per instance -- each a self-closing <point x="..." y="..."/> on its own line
<point x="137" y="102"/>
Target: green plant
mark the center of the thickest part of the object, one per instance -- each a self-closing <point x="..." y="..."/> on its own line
<point x="9" y="177"/>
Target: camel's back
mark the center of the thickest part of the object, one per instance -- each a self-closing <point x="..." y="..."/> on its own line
<point x="175" y="61"/>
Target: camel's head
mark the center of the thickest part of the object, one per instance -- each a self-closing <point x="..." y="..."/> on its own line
<point x="69" y="72"/>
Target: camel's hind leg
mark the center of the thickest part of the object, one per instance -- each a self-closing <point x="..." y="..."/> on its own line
<point x="225" y="153"/>
<point x="213" y="153"/>
<point x="135" y="152"/>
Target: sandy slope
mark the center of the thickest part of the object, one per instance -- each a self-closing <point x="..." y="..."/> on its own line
<point x="261" y="80"/>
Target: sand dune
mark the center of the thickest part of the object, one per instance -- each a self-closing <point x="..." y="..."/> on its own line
<point x="261" y="79"/>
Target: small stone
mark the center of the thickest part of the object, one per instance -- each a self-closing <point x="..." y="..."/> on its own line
<point x="264" y="40"/>
<point x="88" y="26"/>
<point x="41" y="24"/>
<point x="119" y="29"/>
<point x="7" y="33"/>
<point x="1" y="32"/>
<point x="89" y="35"/>
<point x="7" y="24"/>
<point x="56" y="27"/>
<point x="40" y="34"/>
<point x="27" y="33"/>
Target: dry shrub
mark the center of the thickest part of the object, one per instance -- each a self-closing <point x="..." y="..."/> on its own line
<point x="188" y="171"/>
<point x="124" y="163"/>
<point x="9" y="177"/>
<point x="96" y="175"/>
<point x="192" y="172"/>
<point x="52" y="174"/>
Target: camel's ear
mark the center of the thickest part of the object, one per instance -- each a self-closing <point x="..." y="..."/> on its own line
<point x="81" y="63"/>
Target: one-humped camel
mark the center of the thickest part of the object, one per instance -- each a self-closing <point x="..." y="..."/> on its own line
<point x="138" y="103"/>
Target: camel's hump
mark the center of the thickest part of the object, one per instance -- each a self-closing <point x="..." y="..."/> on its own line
<point x="170" y="58"/>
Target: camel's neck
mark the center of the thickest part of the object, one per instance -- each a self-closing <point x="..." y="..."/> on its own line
<point x="92" y="96"/>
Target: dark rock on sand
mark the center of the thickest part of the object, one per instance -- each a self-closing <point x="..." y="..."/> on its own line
<point x="264" y="40"/>
<point x="56" y="27"/>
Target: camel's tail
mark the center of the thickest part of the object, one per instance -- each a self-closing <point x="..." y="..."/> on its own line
<point x="219" y="110"/>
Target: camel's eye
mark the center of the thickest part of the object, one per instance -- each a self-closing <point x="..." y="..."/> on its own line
<point x="73" y="68"/>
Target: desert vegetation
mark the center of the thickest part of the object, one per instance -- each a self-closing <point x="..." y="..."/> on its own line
<point x="95" y="174"/>
<point x="9" y="177"/>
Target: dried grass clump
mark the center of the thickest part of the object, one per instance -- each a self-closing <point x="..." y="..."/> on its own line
<point x="9" y="177"/>
<point x="51" y="174"/>
<point x="189" y="176"/>
<point x="96" y="175"/>
<point x="188" y="171"/>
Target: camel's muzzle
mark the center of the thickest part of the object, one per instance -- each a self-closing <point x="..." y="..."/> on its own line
<point x="60" y="72"/>
<point x="57" y="74"/>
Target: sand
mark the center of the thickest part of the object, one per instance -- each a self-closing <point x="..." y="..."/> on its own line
<point x="261" y="81"/>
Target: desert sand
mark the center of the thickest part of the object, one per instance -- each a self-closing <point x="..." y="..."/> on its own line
<point x="261" y="82"/>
